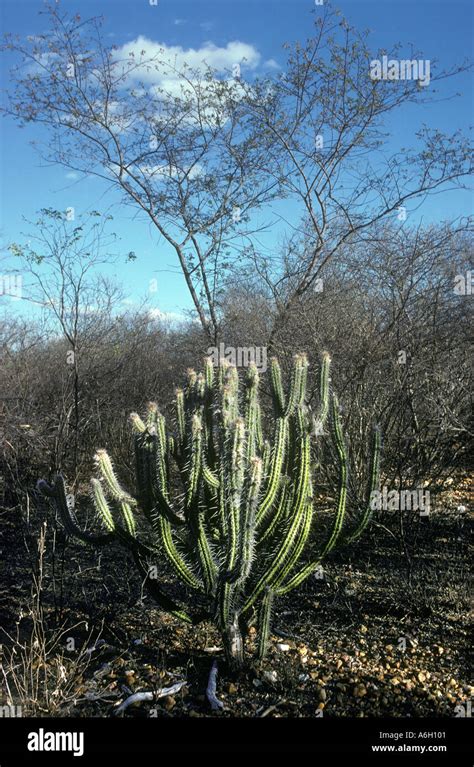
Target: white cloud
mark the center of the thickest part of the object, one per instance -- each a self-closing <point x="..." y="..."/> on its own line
<point x="157" y="314"/>
<point x="271" y="64"/>
<point x="72" y="175"/>
<point x="159" y="68"/>
<point x="208" y="113"/>
<point x="173" y="58"/>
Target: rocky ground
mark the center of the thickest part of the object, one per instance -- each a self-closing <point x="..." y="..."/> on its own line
<point x="384" y="632"/>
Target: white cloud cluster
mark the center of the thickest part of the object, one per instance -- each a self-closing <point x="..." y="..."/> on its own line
<point x="171" y="317"/>
<point x="174" y="58"/>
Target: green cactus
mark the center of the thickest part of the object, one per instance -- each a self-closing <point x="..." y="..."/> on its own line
<point x="232" y="512"/>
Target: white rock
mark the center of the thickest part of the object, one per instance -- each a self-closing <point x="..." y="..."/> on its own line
<point x="283" y="647"/>
<point x="270" y="676"/>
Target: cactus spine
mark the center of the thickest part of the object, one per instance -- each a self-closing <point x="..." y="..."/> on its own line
<point x="231" y="511"/>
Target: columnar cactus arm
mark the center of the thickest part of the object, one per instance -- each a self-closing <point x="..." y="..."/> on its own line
<point x="251" y="411"/>
<point x="180" y="419"/>
<point x="264" y="621"/>
<point x="299" y="577"/>
<point x="258" y="428"/>
<point x="300" y="543"/>
<point x="194" y="463"/>
<point x="280" y="511"/>
<point x="343" y="469"/>
<point x="101" y="505"/>
<point x="159" y="596"/>
<point x="274" y="474"/>
<point x="114" y="490"/>
<point x="266" y="457"/>
<point x="309" y="568"/>
<point x="138" y="425"/>
<point x="235" y="484"/>
<point x="143" y="469"/>
<point x="128" y="518"/>
<point x="282" y="437"/>
<point x="372" y="485"/>
<point x="162" y="468"/>
<point x="300" y="494"/>
<point x="177" y="561"/>
<point x="298" y="383"/>
<point x="194" y="509"/>
<point x="209" y="476"/>
<point x="278" y="395"/>
<point x="206" y="557"/>
<point x="57" y="492"/>
<point x="246" y="554"/>
<point x="124" y="501"/>
<point x="152" y="481"/>
<point x="248" y="530"/>
<point x="323" y="405"/>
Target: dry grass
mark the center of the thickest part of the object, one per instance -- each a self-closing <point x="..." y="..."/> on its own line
<point x="39" y="675"/>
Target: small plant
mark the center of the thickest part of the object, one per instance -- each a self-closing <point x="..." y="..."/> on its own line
<point x="231" y="511"/>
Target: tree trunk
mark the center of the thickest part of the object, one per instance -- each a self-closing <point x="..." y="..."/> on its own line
<point x="233" y="644"/>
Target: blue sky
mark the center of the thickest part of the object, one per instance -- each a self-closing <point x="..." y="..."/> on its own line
<point x="441" y="29"/>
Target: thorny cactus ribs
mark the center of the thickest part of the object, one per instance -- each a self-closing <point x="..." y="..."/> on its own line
<point x="231" y="510"/>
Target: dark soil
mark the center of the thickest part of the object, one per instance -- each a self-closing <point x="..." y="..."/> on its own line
<point x="384" y="632"/>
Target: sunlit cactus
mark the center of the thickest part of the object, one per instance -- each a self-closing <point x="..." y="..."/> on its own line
<point x="229" y="504"/>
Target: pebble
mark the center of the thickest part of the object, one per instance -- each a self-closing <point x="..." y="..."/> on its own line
<point x="283" y="647"/>
<point x="321" y="694"/>
<point x="270" y="676"/>
<point x="360" y="690"/>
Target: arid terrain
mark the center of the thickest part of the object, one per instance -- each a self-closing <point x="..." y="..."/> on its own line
<point x="383" y="633"/>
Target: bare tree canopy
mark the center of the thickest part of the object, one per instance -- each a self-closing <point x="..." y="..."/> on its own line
<point x="200" y="153"/>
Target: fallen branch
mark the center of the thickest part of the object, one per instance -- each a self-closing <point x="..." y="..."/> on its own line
<point x="139" y="697"/>
<point x="211" y="689"/>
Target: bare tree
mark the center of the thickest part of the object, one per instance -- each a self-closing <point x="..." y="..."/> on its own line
<point x="175" y="140"/>
<point x="323" y="123"/>
<point x="58" y="264"/>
